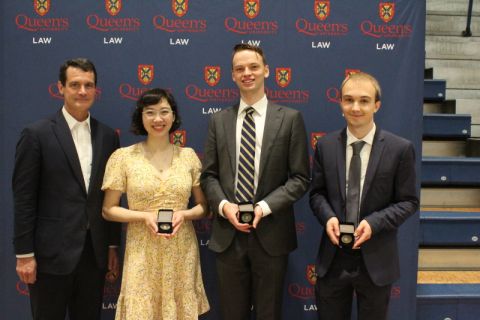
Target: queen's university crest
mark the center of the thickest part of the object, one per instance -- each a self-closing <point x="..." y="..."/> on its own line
<point x="180" y="7"/>
<point x="41" y="6"/>
<point x="251" y="8"/>
<point x="314" y="136"/>
<point x="178" y="138"/>
<point x="321" y="9"/>
<point x="349" y="72"/>
<point x="386" y="11"/>
<point x="113" y="7"/>
<point x="311" y="274"/>
<point x="211" y="75"/>
<point x="283" y="76"/>
<point x="145" y="73"/>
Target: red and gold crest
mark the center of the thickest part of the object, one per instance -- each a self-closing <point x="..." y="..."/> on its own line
<point x="251" y="8"/>
<point x="311" y="274"/>
<point x="145" y="73"/>
<point x="321" y="9"/>
<point x="283" y="76"/>
<point x="178" y="138"/>
<point x="348" y="72"/>
<point x="113" y="7"/>
<point x="314" y="136"/>
<point x="386" y="11"/>
<point x="211" y="74"/>
<point x="180" y="7"/>
<point x="41" y="6"/>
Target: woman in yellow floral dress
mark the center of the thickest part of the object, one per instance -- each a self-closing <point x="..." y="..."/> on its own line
<point x="161" y="273"/>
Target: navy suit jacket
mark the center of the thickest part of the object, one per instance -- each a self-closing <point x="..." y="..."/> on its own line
<point x="389" y="197"/>
<point x="52" y="206"/>
<point x="283" y="176"/>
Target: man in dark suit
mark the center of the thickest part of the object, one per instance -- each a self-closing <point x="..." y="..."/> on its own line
<point x="385" y="198"/>
<point x="61" y="241"/>
<point x="252" y="258"/>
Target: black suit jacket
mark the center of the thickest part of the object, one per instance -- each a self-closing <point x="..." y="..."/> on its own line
<point x="283" y="176"/>
<point x="389" y="197"/>
<point x="52" y="207"/>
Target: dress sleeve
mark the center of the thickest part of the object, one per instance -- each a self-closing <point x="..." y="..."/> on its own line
<point x="115" y="177"/>
<point x="196" y="168"/>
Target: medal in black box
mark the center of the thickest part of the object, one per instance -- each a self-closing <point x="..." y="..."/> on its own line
<point x="164" y="220"/>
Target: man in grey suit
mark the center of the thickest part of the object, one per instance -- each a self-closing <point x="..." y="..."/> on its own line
<point x="271" y="173"/>
<point x="61" y="240"/>
<point x="386" y="197"/>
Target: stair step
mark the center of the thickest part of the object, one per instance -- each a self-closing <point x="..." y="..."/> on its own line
<point x="434" y="90"/>
<point x="456" y="48"/>
<point x="473" y="147"/>
<point x="448" y="277"/>
<point x="452" y="94"/>
<point x="442" y="24"/>
<point x="451" y="7"/>
<point x="447" y="125"/>
<point x="448" y="301"/>
<point x="447" y="106"/>
<point x="460" y="77"/>
<point x="444" y="148"/>
<point x="449" y="228"/>
<point x="450" y="197"/>
<point x="449" y="258"/>
<point x="450" y="171"/>
<point x="475" y="131"/>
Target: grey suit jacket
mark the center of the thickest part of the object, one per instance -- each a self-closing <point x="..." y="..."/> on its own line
<point x="389" y="197"/>
<point x="52" y="206"/>
<point x="283" y="176"/>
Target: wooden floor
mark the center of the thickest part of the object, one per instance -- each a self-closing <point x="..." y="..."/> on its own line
<point x="448" y="277"/>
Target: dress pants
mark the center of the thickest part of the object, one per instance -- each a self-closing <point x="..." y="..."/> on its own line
<point x="80" y="292"/>
<point x="347" y="276"/>
<point x="248" y="276"/>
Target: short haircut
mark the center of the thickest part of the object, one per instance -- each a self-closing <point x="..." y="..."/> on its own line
<point x="80" y="63"/>
<point x="245" y="46"/>
<point x="149" y="98"/>
<point x="364" y="76"/>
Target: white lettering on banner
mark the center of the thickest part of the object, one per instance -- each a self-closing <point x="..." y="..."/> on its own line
<point x="321" y="45"/>
<point x="179" y="42"/>
<point x="385" y="46"/>
<point x="210" y="110"/>
<point x="204" y="242"/>
<point x="311" y="307"/>
<point x="110" y="305"/>
<point x="113" y="40"/>
<point x="42" y="40"/>
<point x="255" y="43"/>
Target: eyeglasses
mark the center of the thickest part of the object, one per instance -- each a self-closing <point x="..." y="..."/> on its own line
<point x="152" y="114"/>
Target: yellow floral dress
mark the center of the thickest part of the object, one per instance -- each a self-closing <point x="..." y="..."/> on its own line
<point x="161" y="278"/>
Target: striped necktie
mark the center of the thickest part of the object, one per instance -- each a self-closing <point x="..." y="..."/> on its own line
<point x="246" y="160"/>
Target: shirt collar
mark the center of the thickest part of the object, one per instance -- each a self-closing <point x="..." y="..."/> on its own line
<point x="260" y="106"/>
<point x="368" y="138"/>
<point x="72" y="122"/>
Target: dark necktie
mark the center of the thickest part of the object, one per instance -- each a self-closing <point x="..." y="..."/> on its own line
<point x="353" y="193"/>
<point x="246" y="160"/>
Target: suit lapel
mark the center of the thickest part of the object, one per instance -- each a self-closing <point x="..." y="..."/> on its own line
<point x="229" y="127"/>
<point x="374" y="161"/>
<point x="96" y="147"/>
<point x="341" y="160"/>
<point x="273" y="122"/>
<point x="64" y="137"/>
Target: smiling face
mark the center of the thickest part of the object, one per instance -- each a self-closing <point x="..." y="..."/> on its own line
<point x="249" y="73"/>
<point x="158" y="118"/>
<point x="358" y="105"/>
<point x="78" y="92"/>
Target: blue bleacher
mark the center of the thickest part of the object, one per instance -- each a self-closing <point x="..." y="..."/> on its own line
<point x="441" y="125"/>
<point x="450" y="171"/>
<point x="434" y="90"/>
<point x="446" y="228"/>
<point x="448" y="301"/>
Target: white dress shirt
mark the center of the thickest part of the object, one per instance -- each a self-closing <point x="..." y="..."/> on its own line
<point x="364" y="155"/>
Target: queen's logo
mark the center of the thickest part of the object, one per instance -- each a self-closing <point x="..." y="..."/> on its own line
<point x="211" y="75"/>
<point x="386" y="11"/>
<point x="180" y="7"/>
<point x="178" y="138"/>
<point x="145" y="73"/>
<point x="283" y="76"/>
<point x="41" y="6"/>
<point x="321" y="9"/>
<point x="113" y="7"/>
<point x="251" y="8"/>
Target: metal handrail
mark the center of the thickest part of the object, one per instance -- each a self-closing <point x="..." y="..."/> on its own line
<point x="467" y="32"/>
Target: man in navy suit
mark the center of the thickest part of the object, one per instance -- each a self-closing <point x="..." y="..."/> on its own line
<point x="63" y="245"/>
<point x="387" y="197"/>
<point x="252" y="258"/>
